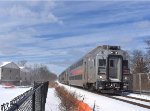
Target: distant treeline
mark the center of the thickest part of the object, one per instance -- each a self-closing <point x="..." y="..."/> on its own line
<point x="41" y="73"/>
<point x="36" y="72"/>
<point x="140" y="60"/>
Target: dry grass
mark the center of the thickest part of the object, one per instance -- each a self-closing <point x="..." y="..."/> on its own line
<point x="69" y="101"/>
<point x="53" y="84"/>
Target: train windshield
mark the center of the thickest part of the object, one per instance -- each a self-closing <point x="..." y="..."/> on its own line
<point x="101" y="66"/>
<point x="102" y="62"/>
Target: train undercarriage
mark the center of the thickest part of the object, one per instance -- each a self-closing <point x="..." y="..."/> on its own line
<point x="106" y="87"/>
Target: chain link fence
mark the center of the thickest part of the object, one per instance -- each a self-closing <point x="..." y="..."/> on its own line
<point x="141" y="82"/>
<point x="32" y="100"/>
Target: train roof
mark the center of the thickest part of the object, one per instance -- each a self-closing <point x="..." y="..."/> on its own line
<point x="97" y="49"/>
<point x="106" y="47"/>
<point x="103" y="47"/>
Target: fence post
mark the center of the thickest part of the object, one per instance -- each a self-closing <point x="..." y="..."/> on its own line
<point x="33" y="102"/>
<point x="41" y="98"/>
<point x="44" y="89"/>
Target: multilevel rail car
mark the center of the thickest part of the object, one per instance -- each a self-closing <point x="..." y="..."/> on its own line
<point x="105" y="68"/>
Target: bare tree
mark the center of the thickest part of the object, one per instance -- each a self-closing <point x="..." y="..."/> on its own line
<point x="138" y="62"/>
<point x="41" y="73"/>
<point x="148" y="54"/>
<point x="22" y="63"/>
<point x="148" y="43"/>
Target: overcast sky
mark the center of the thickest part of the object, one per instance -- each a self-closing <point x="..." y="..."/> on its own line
<point x="59" y="33"/>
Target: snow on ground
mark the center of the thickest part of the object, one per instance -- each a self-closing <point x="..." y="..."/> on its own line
<point x="103" y="103"/>
<point x="52" y="101"/>
<point x="133" y="100"/>
<point x="142" y="96"/>
<point x="7" y="94"/>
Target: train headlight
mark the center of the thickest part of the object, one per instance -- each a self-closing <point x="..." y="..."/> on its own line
<point x="101" y="77"/>
<point x="125" y="78"/>
<point x="111" y="52"/>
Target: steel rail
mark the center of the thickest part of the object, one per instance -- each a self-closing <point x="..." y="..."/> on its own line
<point x="145" y="100"/>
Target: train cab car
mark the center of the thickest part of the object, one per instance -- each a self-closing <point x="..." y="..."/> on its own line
<point x="103" y="69"/>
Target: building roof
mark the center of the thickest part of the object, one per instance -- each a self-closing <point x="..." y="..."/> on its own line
<point x="9" y="65"/>
<point x="4" y="63"/>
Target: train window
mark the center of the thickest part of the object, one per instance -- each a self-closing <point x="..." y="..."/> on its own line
<point x="70" y="78"/>
<point x="125" y="63"/>
<point x="94" y="63"/>
<point x="80" y="76"/>
<point x="111" y="63"/>
<point x="102" y="62"/>
<point x="76" y="77"/>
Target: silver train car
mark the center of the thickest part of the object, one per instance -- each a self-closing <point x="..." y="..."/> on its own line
<point x="103" y="69"/>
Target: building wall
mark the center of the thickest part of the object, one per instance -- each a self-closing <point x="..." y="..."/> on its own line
<point x="10" y="74"/>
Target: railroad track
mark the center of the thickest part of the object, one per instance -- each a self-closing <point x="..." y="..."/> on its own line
<point x="145" y="100"/>
<point x="131" y="100"/>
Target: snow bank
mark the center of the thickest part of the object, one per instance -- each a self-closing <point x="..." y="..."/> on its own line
<point x="7" y="94"/>
<point x="52" y="101"/>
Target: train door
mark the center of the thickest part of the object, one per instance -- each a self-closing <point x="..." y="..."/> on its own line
<point x="85" y="71"/>
<point x="115" y="68"/>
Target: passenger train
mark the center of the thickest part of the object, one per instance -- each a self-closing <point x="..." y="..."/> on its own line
<point x="104" y="69"/>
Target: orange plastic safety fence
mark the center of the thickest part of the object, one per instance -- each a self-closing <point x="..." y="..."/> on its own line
<point x="83" y="106"/>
